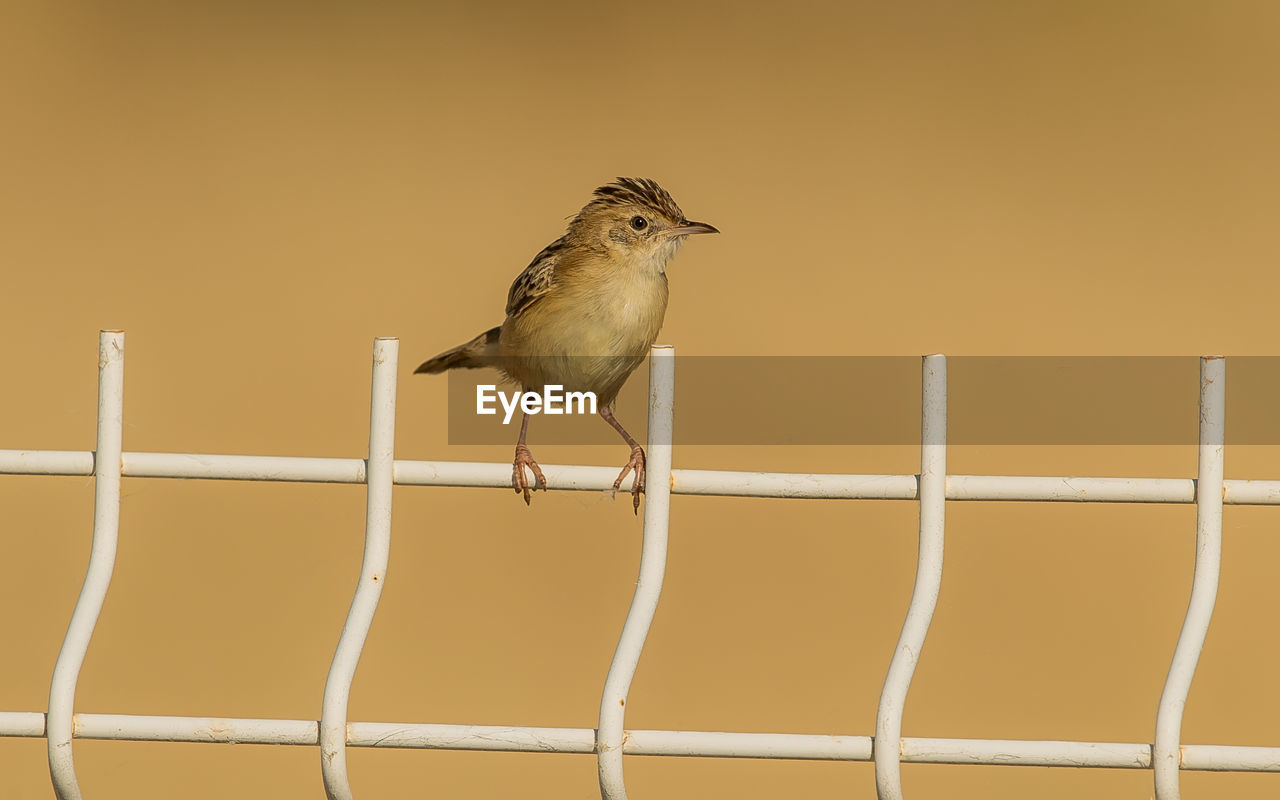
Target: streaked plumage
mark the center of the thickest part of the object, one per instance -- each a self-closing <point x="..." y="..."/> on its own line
<point x="537" y="278"/>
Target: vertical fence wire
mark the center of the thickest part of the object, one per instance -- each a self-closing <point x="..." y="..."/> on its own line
<point x="887" y="751"/>
<point x="653" y="564"/>
<point x="373" y="571"/>
<point x="1166" y="752"/>
<point x="106" y="529"/>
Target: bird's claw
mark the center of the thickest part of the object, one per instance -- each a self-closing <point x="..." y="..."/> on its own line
<point x="637" y="484"/>
<point x="519" y="480"/>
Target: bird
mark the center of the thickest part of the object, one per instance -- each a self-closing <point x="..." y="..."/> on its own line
<point x="585" y="312"/>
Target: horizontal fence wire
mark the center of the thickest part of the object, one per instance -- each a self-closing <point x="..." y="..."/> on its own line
<point x="333" y="733"/>
<point x="706" y="482"/>
<point x="703" y="744"/>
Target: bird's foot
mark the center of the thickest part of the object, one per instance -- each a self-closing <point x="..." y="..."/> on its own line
<point x="637" y="484"/>
<point x="518" y="478"/>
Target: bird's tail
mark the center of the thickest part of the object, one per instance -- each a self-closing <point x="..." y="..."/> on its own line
<point x="481" y="351"/>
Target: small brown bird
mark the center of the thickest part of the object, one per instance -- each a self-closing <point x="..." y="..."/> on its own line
<point x="585" y="311"/>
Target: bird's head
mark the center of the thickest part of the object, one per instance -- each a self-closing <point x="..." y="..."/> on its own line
<point x="636" y="220"/>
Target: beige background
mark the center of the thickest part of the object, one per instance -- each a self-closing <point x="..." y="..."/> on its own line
<point x="254" y="191"/>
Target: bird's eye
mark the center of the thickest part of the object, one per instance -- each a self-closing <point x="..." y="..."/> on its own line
<point x="639" y="223"/>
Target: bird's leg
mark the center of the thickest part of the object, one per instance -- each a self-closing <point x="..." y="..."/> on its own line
<point x="636" y="463"/>
<point x="525" y="459"/>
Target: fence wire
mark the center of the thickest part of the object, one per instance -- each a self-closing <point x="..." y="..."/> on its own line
<point x="59" y="724"/>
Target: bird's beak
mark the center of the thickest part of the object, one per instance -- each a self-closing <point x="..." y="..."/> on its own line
<point x="686" y="227"/>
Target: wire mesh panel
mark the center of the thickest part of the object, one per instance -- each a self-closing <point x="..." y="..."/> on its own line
<point x="59" y="724"/>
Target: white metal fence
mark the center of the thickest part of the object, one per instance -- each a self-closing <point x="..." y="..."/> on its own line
<point x="609" y="741"/>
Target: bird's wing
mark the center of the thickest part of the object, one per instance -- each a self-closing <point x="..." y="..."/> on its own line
<point x="537" y="279"/>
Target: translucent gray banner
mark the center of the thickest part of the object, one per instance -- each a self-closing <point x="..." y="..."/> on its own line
<point x="875" y="400"/>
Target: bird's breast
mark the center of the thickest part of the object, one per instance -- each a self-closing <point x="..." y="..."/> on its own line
<point x="588" y="334"/>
